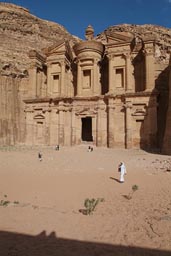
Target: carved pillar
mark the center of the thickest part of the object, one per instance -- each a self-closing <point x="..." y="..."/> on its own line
<point x="53" y="126"/>
<point x="63" y="79"/>
<point x="67" y="126"/>
<point x="49" y="82"/>
<point x="149" y="67"/>
<point x="97" y="85"/>
<point x="101" y="137"/>
<point x="47" y="122"/>
<point x="128" y="125"/>
<point x="78" y="78"/>
<point x="61" y="124"/>
<point x="129" y="80"/>
<point x="33" y="81"/>
<point x="73" y="132"/>
<point x="111" y="135"/>
<point x="39" y="83"/>
<point x="37" y="61"/>
<point x="111" y="75"/>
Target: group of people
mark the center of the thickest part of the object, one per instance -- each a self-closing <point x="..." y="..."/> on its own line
<point x="121" y="167"/>
<point x="40" y="155"/>
<point x="90" y="148"/>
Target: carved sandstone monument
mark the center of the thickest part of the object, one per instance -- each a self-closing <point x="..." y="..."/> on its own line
<point x="110" y="90"/>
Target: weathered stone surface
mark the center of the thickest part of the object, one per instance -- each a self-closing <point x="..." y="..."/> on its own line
<point x="161" y="35"/>
<point x="110" y="90"/>
<point x="20" y="32"/>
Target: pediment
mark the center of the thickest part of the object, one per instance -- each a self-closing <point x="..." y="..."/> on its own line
<point x="61" y="47"/>
<point x="56" y="48"/>
<point x="119" y="37"/>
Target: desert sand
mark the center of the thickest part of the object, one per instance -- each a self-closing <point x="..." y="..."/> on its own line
<point x="43" y="214"/>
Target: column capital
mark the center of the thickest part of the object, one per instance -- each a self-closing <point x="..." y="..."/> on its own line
<point x="128" y="105"/>
<point x="127" y="55"/>
<point x="110" y="56"/>
<point x="111" y="106"/>
<point x="148" y="51"/>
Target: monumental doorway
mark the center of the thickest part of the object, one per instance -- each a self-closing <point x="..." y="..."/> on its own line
<point x="86" y="134"/>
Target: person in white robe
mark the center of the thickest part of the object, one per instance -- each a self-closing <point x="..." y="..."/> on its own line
<point x="122" y="169"/>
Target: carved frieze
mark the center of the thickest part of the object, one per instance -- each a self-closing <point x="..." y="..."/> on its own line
<point x="86" y="111"/>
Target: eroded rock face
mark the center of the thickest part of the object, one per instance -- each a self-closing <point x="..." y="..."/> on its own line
<point x="161" y="35"/>
<point x="20" y="32"/>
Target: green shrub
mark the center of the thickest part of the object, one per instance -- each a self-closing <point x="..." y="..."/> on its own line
<point x="90" y="205"/>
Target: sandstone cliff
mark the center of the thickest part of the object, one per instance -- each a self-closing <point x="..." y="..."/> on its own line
<point x="161" y="35"/>
<point x="20" y="32"/>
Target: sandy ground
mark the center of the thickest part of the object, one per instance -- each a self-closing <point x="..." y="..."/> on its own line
<point x="43" y="214"/>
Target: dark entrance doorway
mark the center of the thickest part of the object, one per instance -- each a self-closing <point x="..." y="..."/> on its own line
<point x="86" y="129"/>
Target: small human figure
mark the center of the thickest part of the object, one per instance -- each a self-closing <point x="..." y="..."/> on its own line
<point x="90" y="149"/>
<point x="122" y="170"/>
<point x="57" y="147"/>
<point x="40" y="156"/>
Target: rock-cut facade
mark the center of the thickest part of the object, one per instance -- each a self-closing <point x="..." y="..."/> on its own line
<point x="99" y="91"/>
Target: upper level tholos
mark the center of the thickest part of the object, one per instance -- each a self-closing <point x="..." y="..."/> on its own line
<point x="119" y="63"/>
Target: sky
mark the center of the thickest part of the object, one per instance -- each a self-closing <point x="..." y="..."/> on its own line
<point x="76" y="15"/>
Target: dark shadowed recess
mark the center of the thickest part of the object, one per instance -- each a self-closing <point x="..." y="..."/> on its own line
<point x="15" y="244"/>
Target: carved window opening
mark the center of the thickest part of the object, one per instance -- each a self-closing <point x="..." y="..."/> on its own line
<point x="56" y="83"/>
<point x="86" y="78"/>
<point x="86" y="129"/>
<point x="119" y="72"/>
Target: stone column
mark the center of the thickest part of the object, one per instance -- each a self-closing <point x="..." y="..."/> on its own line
<point x="63" y="91"/>
<point x="33" y="81"/>
<point x="73" y="132"/>
<point x="149" y="68"/>
<point x="111" y="135"/>
<point x="61" y="124"/>
<point x="98" y="128"/>
<point x="68" y="126"/>
<point x="53" y="126"/>
<point x="78" y="129"/>
<point x="79" y="78"/>
<point x="111" y="75"/>
<point x="49" y="80"/>
<point x="129" y="84"/>
<point x="47" y="114"/>
<point x="97" y="86"/>
<point x="101" y="138"/>
<point x="128" y="124"/>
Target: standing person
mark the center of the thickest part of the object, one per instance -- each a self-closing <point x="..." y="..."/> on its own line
<point x="40" y="156"/>
<point x="57" y="147"/>
<point x="122" y="170"/>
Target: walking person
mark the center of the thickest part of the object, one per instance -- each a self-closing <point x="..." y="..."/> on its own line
<point x="40" y="156"/>
<point x="122" y="170"/>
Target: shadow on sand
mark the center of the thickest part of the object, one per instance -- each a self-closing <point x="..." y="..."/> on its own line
<point x="15" y="244"/>
<point x="117" y="180"/>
